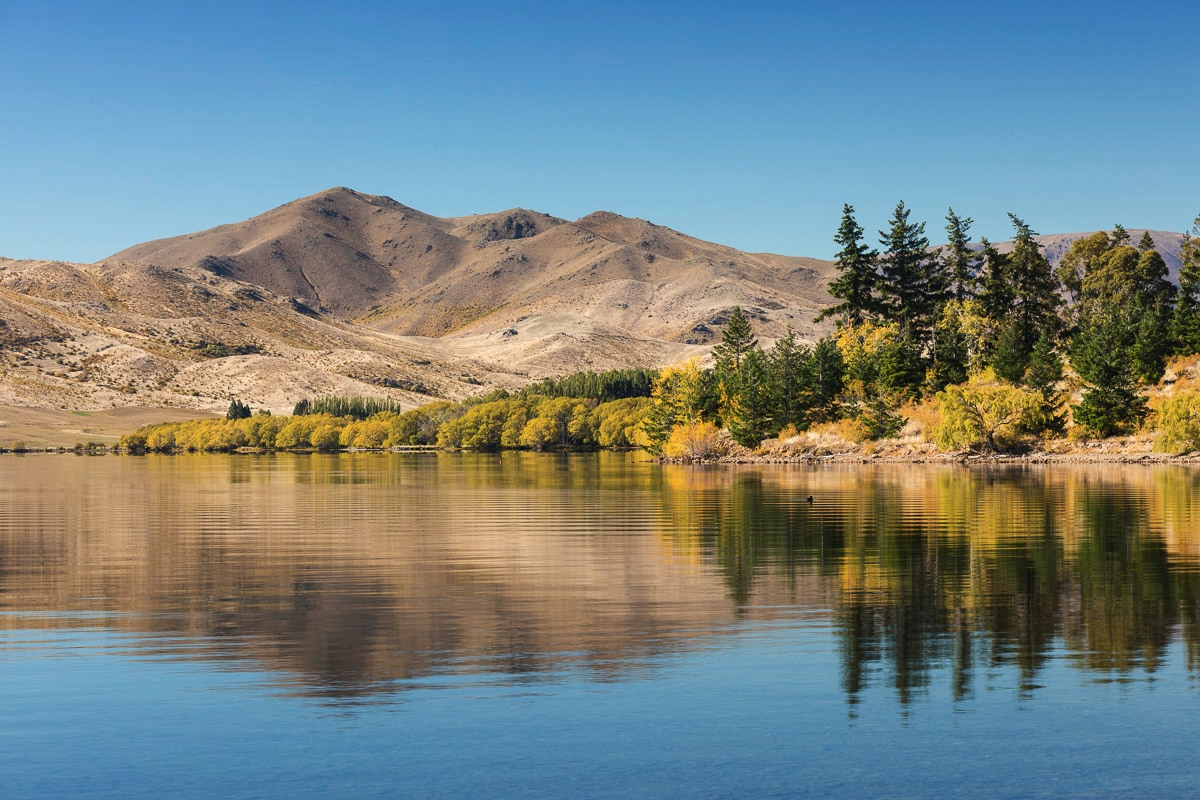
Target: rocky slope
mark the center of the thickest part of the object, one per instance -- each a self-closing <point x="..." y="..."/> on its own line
<point x="390" y="267"/>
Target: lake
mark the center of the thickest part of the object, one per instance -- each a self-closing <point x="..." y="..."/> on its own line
<point x="596" y="625"/>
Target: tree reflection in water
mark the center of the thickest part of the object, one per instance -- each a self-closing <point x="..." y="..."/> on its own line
<point x="966" y="569"/>
<point x="352" y="575"/>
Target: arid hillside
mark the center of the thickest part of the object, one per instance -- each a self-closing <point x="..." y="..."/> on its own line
<point x="382" y="264"/>
<point x="355" y="294"/>
<point x="81" y="337"/>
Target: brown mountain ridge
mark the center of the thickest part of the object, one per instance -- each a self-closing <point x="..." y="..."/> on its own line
<point x="388" y="266"/>
<point x="343" y="292"/>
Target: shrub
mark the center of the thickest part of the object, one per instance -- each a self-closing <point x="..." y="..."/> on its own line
<point x="984" y="412"/>
<point x="1179" y="424"/>
<point x="694" y="440"/>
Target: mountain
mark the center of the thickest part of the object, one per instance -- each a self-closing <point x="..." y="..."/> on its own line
<point x="387" y="266"/>
<point x="348" y="293"/>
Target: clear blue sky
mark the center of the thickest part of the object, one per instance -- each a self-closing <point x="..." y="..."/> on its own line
<point x="746" y="124"/>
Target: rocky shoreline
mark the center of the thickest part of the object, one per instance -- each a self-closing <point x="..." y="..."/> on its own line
<point x="1124" y="450"/>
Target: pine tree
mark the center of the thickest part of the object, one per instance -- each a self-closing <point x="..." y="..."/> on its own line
<point x="237" y="410"/>
<point x="857" y="285"/>
<point x="1043" y="376"/>
<point x="1151" y="344"/>
<point x="729" y="360"/>
<point x="1185" y="322"/>
<point x="1153" y="280"/>
<point x="910" y="291"/>
<point x="737" y="339"/>
<point x="1010" y="359"/>
<point x="747" y="413"/>
<point x="1100" y="353"/>
<point x="959" y="259"/>
<point x="952" y="355"/>
<point x="789" y="367"/>
<point x="1035" y="291"/>
<point x="996" y="294"/>
<point x="899" y="367"/>
<point x="828" y="378"/>
<point x="1120" y="236"/>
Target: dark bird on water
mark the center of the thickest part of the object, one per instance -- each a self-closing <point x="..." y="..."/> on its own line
<point x="810" y="498"/>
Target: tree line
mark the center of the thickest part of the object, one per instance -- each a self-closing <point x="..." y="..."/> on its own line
<point x="526" y="419"/>
<point x="986" y="336"/>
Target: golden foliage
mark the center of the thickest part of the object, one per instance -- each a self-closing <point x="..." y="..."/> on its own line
<point x="1179" y="423"/>
<point x="983" y="412"/>
<point x="694" y="440"/>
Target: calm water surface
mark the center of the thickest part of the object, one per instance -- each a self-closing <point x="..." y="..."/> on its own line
<point x="376" y="625"/>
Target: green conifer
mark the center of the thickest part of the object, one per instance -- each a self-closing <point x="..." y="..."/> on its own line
<point x="857" y="284"/>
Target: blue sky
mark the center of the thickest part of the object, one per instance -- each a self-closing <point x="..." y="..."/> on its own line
<point x="747" y="124"/>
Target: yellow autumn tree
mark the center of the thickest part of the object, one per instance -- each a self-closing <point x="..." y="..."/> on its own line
<point x="1179" y="424"/>
<point x="983" y="412"/>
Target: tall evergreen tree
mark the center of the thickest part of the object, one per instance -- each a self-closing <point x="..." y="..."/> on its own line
<point x="1043" y="376"/>
<point x="1010" y="358"/>
<point x="747" y="411"/>
<point x="828" y="378"/>
<point x="1120" y="236"/>
<point x="1035" y="291"/>
<point x="1133" y="284"/>
<point x="1185" y="322"/>
<point x="953" y="347"/>
<point x="237" y="410"/>
<point x="959" y="259"/>
<point x="790" y="382"/>
<point x="901" y="371"/>
<point x="737" y="339"/>
<point x="729" y="368"/>
<point x="910" y="287"/>
<point x="1100" y="353"/>
<point x="858" y="282"/>
<point x="996" y="294"/>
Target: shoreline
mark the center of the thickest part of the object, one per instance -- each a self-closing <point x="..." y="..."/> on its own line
<point x="851" y="458"/>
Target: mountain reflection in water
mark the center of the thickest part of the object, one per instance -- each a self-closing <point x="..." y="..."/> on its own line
<point x="347" y="576"/>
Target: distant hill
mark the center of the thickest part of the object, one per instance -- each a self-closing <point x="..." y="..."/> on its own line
<point x="388" y="266"/>
<point x="1056" y="245"/>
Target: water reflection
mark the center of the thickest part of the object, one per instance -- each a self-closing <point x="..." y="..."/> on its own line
<point x="350" y="575"/>
<point x="965" y="570"/>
